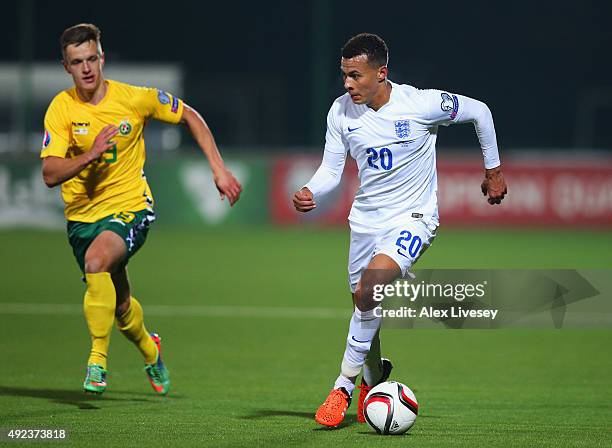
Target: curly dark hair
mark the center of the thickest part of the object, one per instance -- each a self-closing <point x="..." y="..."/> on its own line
<point x="369" y="44"/>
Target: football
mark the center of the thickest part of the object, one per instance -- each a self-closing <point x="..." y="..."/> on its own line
<point x="391" y="408"/>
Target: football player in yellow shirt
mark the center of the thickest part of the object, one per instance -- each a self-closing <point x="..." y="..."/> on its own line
<point x="93" y="147"/>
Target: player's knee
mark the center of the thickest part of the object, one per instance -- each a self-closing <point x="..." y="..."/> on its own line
<point x="97" y="262"/>
<point x="363" y="298"/>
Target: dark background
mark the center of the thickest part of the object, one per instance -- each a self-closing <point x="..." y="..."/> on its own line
<point x="263" y="74"/>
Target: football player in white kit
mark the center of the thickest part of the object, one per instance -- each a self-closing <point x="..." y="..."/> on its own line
<point x="390" y="130"/>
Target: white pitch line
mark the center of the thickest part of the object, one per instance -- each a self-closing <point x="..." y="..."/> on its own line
<point x="186" y="310"/>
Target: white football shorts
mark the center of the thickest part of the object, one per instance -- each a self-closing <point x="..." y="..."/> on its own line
<point x="404" y="243"/>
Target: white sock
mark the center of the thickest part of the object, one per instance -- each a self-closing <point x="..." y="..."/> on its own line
<point x="345" y="382"/>
<point x="372" y="369"/>
<point x="362" y="329"/>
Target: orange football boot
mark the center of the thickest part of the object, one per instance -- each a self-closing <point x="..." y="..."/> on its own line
<point x="331" y="413"/>
<point x="364" y="389"/>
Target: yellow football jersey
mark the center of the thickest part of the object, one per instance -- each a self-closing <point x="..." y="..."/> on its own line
<point x="115" y="182"/>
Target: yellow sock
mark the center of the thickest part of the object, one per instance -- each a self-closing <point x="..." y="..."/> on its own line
<point x="131" y="324"/>
<point x="99" y="309"/>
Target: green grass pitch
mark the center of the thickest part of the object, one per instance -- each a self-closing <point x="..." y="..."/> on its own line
<point x="254" y="321"/>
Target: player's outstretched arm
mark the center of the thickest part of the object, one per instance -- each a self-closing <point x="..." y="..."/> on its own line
<point x="225" y="181"/>
<point x="494" y="184"/>
<point x="324" y="180"/>
<point x="57" y="170"/>
<point x="329" y="173"/>
<point x="474" y="111"/>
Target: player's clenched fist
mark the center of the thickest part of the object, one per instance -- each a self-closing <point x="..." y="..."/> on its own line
<point x="303" y="200"/>
<point x="494" y="185"/>
<point x="103" y="141"/>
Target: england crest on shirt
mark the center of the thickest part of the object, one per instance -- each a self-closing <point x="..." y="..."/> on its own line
<point x="402" y="128"/>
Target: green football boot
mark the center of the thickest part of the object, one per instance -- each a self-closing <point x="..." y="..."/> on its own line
<point x="158" y="374"/>
<point x="95" y="380"/>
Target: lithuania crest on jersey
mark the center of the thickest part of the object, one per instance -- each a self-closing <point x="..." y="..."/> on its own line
<point x="402" y="128"/>
<point x="125" y="127"/>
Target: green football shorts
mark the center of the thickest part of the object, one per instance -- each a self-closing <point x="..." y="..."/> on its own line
<point x="132" y="227"/>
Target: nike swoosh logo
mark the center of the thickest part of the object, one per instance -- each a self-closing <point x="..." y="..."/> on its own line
<point x="357" y="340"/>
<point x="354" y="129"/>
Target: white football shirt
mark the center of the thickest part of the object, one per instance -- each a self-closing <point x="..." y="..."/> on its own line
<point x="394" y="148"/>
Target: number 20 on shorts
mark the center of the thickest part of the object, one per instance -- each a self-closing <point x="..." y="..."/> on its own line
<point x="407" y="242"/>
